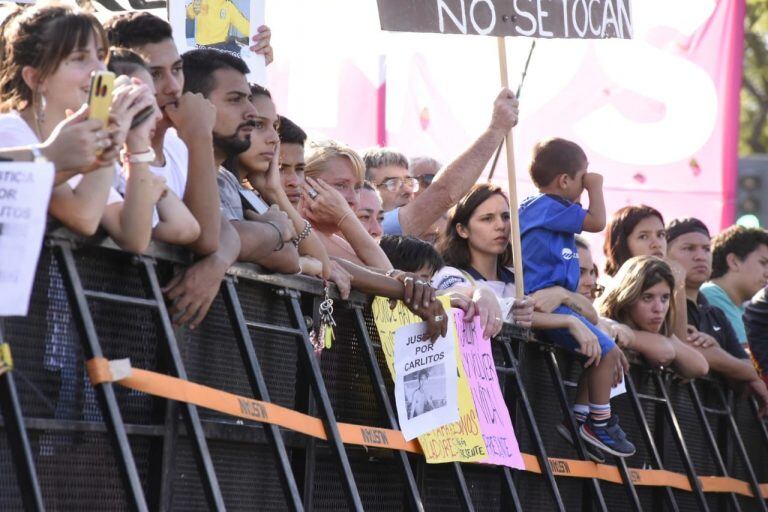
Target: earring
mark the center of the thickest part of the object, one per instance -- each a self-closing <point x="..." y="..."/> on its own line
<point x="40" y="110"/>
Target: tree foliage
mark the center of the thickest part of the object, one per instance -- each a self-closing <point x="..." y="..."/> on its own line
<point x="754" y="90"/>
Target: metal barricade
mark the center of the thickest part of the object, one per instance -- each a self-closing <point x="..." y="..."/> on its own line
<point x="255" y="343"/>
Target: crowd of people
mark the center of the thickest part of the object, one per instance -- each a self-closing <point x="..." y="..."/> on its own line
<point x="216" y="168"/>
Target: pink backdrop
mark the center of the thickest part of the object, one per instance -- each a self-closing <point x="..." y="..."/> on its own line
<point x="658" y="115"/>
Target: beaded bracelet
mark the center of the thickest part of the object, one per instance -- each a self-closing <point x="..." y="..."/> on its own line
<point x="303" y="235"/>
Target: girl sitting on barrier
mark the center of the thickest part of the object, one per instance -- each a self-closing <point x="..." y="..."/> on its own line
<point x="639" y="231"/>
<point x="640" y="296"/>
<point x="48" y="54"/>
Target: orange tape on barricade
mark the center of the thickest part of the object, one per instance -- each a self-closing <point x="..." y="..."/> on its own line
<point x="171" y="388"/>
<point x="165" y="386"/>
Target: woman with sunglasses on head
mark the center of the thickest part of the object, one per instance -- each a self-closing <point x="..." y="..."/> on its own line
<point x="48" y="54"/>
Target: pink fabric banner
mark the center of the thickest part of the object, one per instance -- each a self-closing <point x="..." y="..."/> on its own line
<point x="492" y="413"/>
<point x="657" y="116"/>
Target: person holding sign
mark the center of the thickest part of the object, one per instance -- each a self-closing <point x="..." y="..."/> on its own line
<point x="417" y="216"/>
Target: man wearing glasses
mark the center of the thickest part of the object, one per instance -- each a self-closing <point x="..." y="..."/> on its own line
<point x="388" y="171"/>
<point x="410" y="211"/>
<point x="424" y="169"/>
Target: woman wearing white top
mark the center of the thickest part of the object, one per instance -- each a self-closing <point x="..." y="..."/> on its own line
<point x="48" y="55"/>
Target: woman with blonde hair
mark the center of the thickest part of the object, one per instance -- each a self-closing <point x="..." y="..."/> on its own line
<point x="334" y="174"/>
<point x="640" y="296"/>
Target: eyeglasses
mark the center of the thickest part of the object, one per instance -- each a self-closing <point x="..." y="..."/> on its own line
<point x="425" y="180"/>
<point x="393" y="184"/>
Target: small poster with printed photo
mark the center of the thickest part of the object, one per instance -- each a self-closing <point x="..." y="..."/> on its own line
<point x="426" y="380"/>
<point x="226" y="25"/>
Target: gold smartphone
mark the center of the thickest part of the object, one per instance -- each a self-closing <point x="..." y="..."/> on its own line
<point x="100" y="97"/>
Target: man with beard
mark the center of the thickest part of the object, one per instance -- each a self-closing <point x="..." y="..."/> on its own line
<point x="184" y="149"/>
<point x="221" y="78"/>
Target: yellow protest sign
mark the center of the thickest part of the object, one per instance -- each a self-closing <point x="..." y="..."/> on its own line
<point x="460" y="441"/>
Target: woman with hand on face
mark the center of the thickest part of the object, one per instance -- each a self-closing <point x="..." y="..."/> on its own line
<point x="260" y="166"/>
<point x="175" y="223"/>
<point x="333" y="176"/>
<point x="48" y="56"/>
<point x="640" y="296"/>
<point x="639" y="231"/>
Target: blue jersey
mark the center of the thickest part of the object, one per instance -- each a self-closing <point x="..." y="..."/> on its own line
<point x="548" y="224"/>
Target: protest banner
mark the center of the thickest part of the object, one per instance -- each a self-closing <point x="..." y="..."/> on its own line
<point x="460" y="441"/>
<point x="579" y="19"/>
<point x="25" y="189"/>
<point x="571" y="19"/>
<point x="425" y="380"/>
<point x="225" y="25"/>
<point x="480" y="368"/>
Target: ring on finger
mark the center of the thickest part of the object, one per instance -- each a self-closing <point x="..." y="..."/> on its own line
<point x="407" y="279"/>
<point x="439" y="318"/>
<point x="312" y="193"/>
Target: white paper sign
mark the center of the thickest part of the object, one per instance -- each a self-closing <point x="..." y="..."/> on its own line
<point x="426" y="380"/>
<point x="621" y="388"/>
<point x="227" y="25"/>
<point x="25" y="189"/>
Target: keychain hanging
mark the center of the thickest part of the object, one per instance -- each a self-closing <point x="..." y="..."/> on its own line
<point x="323" y="336"/>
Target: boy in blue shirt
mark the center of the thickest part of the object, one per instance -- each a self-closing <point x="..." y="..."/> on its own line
<point x="549" y="222"/>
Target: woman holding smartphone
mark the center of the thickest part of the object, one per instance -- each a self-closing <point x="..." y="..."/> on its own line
<point x="49" y="53"/>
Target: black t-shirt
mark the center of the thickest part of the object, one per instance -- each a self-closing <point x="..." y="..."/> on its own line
<point x="756" y="324"/>
<point x="711" y="320"/>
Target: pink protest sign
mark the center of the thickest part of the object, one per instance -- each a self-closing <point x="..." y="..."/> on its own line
<point x="492" y="412"/>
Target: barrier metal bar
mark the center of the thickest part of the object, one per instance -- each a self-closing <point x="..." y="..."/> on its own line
<point x="522" y="396"/>
<point x="461" y="483"/>
<point x="309" y="360"/>
<point x="26" y="474"/>
<point x="736" y="434"/>
<point x="650" y="442"/>
<point x="710" y="437"/>
<point x="260" y="392"/>
<point x="557" y="381"/>
<point x="105" y="392"/>
<point x="412" y="495"/>
<point x="189" y="411"/>
<point x="677" y="437"/>
<point x="760" y="421"/>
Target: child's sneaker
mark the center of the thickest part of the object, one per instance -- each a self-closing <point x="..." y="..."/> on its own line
<point x="593" y="453"/>
<point x="609" y="437"/>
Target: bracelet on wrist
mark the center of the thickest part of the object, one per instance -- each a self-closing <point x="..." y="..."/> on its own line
<point x="303" y="235"/>
<point x="344" y="217"/>
<point x="143" y="157"/>
<point x="37" y="154"/>
<point x="280" y="242"/>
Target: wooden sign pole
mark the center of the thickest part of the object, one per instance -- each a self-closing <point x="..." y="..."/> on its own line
<point x="517" y="251"/>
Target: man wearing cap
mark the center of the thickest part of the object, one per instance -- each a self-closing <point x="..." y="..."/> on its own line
<point x="710" y="331"/>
